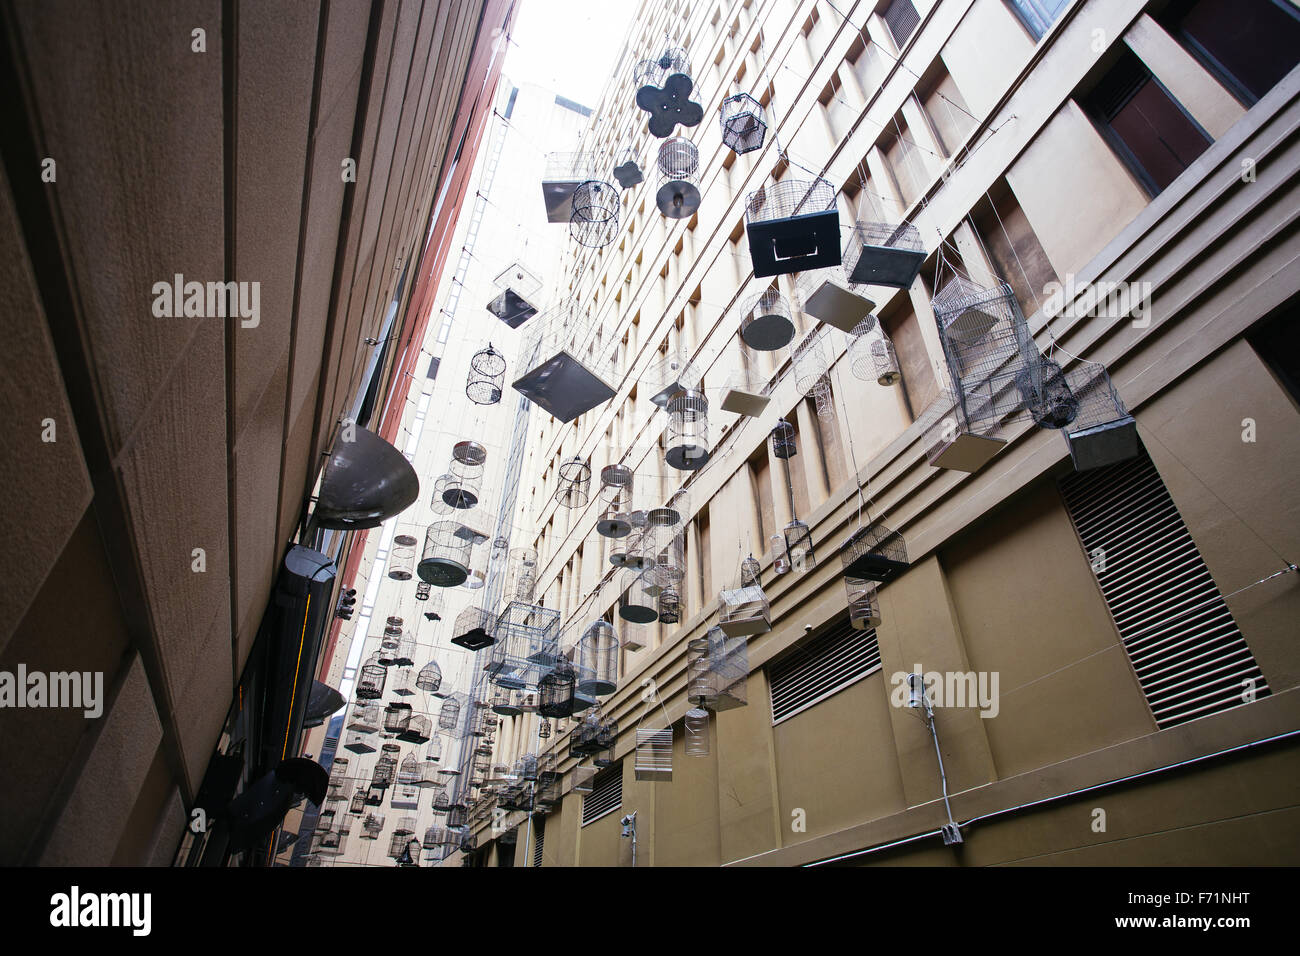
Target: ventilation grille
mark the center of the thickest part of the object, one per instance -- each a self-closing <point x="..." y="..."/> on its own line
<point x="606" y="795"/>
<point x="901" y="18"/>
<point x="539" y="839"/>
<point x="1184" y="646"/>
<point x="824" y="666"/>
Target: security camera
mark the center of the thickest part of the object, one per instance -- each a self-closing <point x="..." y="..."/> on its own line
<point x="807" y="628"/>
<point x="628" y="819"/>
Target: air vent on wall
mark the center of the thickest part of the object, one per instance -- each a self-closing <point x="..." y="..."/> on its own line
<point x="824" y="666"/>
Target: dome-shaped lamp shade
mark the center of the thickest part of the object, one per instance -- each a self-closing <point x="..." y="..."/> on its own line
<point x="598" y="660"/>
<point x="793" y="226"/>
<point x="366" y="481"/>
<point x="678" y="196"/>
<point x="743" y="123"/>
<point x="688" y="430"/>
<point x="487" y="373"/>
<point x="445" y="561"/>
<point x="765" y="323"/>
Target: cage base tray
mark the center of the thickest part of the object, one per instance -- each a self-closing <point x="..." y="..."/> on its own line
<point x="1103" y="445"/>
<point x="795" y="243"/>
<point x="359" y="747"/>
<point x="474" y="640"/>
<point x="563" y="387"/>
<point x="966" y="452"/>
<point x="511" y="308"/>
<point x="887" y="266"/>
<point x="875" y="567"/>
<point x="745" y="627"/>
<point x="638" y="614"/>
<point x="687" y="457"/>
<point x="613" y="528"/>
<point x="767" y="333"/>
<point x="557" y="195"/>
<point x="744" y="403"/>
<point x="837" y="306"/>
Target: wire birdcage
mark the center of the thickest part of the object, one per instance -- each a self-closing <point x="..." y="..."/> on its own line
<point x="433" y="752"/>
<point x="505" y="701"/>
<point x="688" y="430"/>
<point x="864" y="602"/>
<point x="747" y="390"/>
<point x="409" y="772"/>
<point x="357" y="804"/>
<point x="793" y="226"/>
<point x="628" y="554"/>
<point x="784" y="445"/>
<point x="404" y="684"/>
<point x="597" y="665"/>
<point x="555" y="690"/>
<point x="574" y="483"/>
<point x="521" y="577"/>
<point x="445" y="561"/>
<point x="449" y="714"/>
<point x="615" y="495"/>
<point x="743" y="123"/>
<point x="364" y="717"/>
<point x="1103" y="432"/>
<point x="670" y="605"/>
<point x="874" y="553"/>
<point x="750" y="572"/>
<point x="583" y="779"/>
<point x="881" y="253"/>
<point x="697" y="732"/>
<point x="396" y="718"/>
<point x="594" y="222"/>
<point x="360" y="742"/>
<point x="466" y="469"/>
<point x="527" y="643"/>
<point x="654" y="754"/>
<point x="417" y="730"/>
<point x="678" y="196"/>
<point x="635" y="605"/>
<point x="436" y="503"/>
<point x="517" y="285"/>
<point x="422" y="591"/>
<point x="744" y="611"/>
<point x="729" y="663"/>
<point x="562" y="174"/>
<point x="766" y="323"/>
<point x="385" y="769"/>
<point x="401" y="557"/>
<point x="429" y="679"/>
<point x="828" y="297"/>
<point x="670" y="375"/>
<point x="799" y="546"/>
<point x="1046" y="394"/>
<point x="810" y="361"/>
<point x="628" y="172"/>
<point x="370" y="685"/>
<point x="473" y="629"/>
<point x="487" y="374"/>
<point x="663" y="89"/>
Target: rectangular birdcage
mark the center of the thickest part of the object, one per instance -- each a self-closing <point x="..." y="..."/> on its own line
<point x="1103" y="432"/>
<point x="729" y="663"/>
<point x="951" y="442"/>
<point x="827" y="296"/>
<point x="882" y="253"/>
<point x="517" y="285"/>
<point x="556" y="380"/>
<point x="583" y="779"/>
<point x="562" y="174"/>
<point x="744" y="611"/>
<point x="793" y="226"/>
<point x="874" y="553"/>
<point x="654" y="754"/>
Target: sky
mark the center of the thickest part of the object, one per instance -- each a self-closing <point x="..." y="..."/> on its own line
<point x="568" y="46"/>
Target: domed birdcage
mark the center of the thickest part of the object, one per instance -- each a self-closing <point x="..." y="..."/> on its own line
<point x="636" y="605"/>
<point x="433" y="752"/>
<point x="521" y="578"/>
<point x="882" y="253"/>
<point x="487" y="375"/>
<point x="743" y="123"/>
<point x="466" y="469"/>
<point x="370" y="685"/>
<point x="765" y="323"/>
<point x="688" y="430"/>
<point x="793" y="226"/>
<point x="445" y="562"/>
<point x="449" y="715"/>
<point x="512" y="307"/>
<point x="784" y="444"/>
<point x="864" y="603"/>
<point x="678" y="196"/>
<point x="829" y="298"/>
<point x="697" y="732"/>
<point x="574" y="483"/>
<point x="543" y="726"/>
<point x="1047" y="394"/>
<point x="473" y="629"/>
<point x="628" y="172"/>
<point x="874" y="553"/>
<point x="409" y="772"/>
<point x="594" y="222"/>
<point x="555" y="691"/>
<point x="401" y="557"/>
<point x="810" y="362"/>
<point x="417" y="731"/>
<point x="615" y="495"/>
<point x="404" y="684"/>
<point x="871" y="354"/>
<point x="357" y="805"/>
<point x="429" y="679"/>
<point x="385" y="769"/>
<point x="750" y="572"/>
<point x="598" y="660"/>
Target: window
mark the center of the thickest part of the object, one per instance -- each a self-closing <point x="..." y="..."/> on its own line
<point x="606" y="794"/>
<point x="901" y="18"/>
<point x="1038" y="15"/>
<point x="1180" y="637"/>
<point x="1010" y="243"/>
<point x="1277" y="342"/>
<point x="825" y="665"/>
<point x="1145" y="125"/>
<point x="1248" y="44"/>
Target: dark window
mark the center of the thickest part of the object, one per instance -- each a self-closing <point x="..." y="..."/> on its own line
<point x="1248" y="44"/>
<point x="901" y="18"/>
<point x="1277" y="342"/>
<point x="1038" y="15"/>
<point x="1145" y="124"/>
<point x="433" y="366"/>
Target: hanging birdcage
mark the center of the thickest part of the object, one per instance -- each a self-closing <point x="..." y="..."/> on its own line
<point x="557" y="381"/>
<point x="364" y="717"/>
<point x="594" y="222"/>
<point x="457" y="816"/>
<point x="671" y="374"/>
<point x="697" y="732"/>
<point x="555" y="691"/>
<point x="663" y="89"/>
<point x="505" y="701"/>
<point x="527" y="643"/>
<point x="750" y="572"/>
<point x="574" y="487"/>
<point x="357" y="805"/>
<point x="628" y="172"/>
<point x="881" y="361"/>
<point x="583" y="779"/>
<point x="799" y="546"/>
<point x="404" y="685"/>
<point x="615" y="495"/>
<point x="436" y="503"/>
<point x="602" y="752"/>
<point x="780" y="560"/>
<point x="688" y="430"/>
<point x="864" y="602"/>
<point x="1103" y="432"/>
<point x="517" y="284"/>
<point x="881" y="253"/>
<point x="670" y="605"/>
<point x="445" y="561"/>
<point x="1047" y="394"/>
<point x="372" y="826"/>
<point x="829" y="298"/>
<point x="747" y="389"/>
<point x="874" y="553"/>
<point x="466" y="470"/>
<point x="385" y="769"/>
<point x="433" y="752"/>
<point x="396" y="718"/>
<point x="370" y="685"/>
<point x="729" y="663"/>
<point x="417" y="731"/>
<point x="793" y="226"/>
<point x="487" y="374"/>
<point x="744" y="611"/>
<point x="422" y="591"/>
<point x="449" y="714"/>
<point x="401" y="557"/>
<point x="783" y="440"/>
<point x="635" y="605"/>
<point x="360" y="742"/>
<point x="597" y="664"/>
<point x="408" y="773"/>
<point x="561" y="177"/>
<point x="810" y="362"/>
<point x="765" y="323"/>
<point x="473" y="629"/>
<point x="678" y="196"/>
<point x="429" y="679"/>
<point x="654" y="754"/>
<point x="743" y="123"/>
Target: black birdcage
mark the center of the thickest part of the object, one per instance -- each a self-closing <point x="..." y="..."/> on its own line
<point x="594" y="222"/>
<point x="397" y="717"/>
<point x="422" y="591"/>
<point x="750" y="572"/>
<point x="512" y="306"/>
<point x="663" y="88"/>
<point x="799" y="546"/>
<point x="615" y="495"/>
<point x="784" y="445"/>
<point x="401" y="557"/>
<point x="574" y="487"/>
<point x="678" y="196"/>
<point x="874" y="553"/>
<point x="765" y="323"/>
<point x="670" y="605"/>
<point x="430" y="678"/>
<point x="445" y="562"/>
<point x="467" y="460"/>
<point x="457" y="816"/>
<point x="688" y="430"/>
<point x="793" y="226"/>
<point x="487" y="374"/>
<point x="357" y="804"/>
<point x="602" y="752"/>
<point x="743" y="123"/>
<point x="543" y="726"/>
<point x="385" y="770"/>
<point x="370" y="686"/>
<point x="473" y="629"/>
<point x="417" y="731"/>
<point x="1047" y="394"/>
<point x="449" y="714"/>
<point x="1103" y="432"/>
<point x="881" y="253"/>
<point x="555" y="690"/>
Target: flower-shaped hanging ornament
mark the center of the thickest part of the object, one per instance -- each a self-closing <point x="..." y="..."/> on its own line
<point x="664" y="87"/>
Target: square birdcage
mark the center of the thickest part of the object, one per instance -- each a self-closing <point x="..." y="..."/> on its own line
<point x="1103" y="433"/>
<point x="952" y="442"/>
<point x="556" y="380"/>
<point x="417" y="730"/>
<point x="583" y="778"/>
<point x="828" y="297"/>
<point x="517" y="285"/>
<point x="364" y="717"/>
<point x="744" y="611"/>
<point x="473" y="629"/>
<point x="874" y="553"/>
<point x="743" y="124"/>
<point x="360" y="743"/>
<point x="527" y="637"/>
<point x="654" y="754"/>
<point x="397" y="717"/>
<point x="793" y="226"/>
<point x="562" y="174"/>
<point x="882" y="253"/>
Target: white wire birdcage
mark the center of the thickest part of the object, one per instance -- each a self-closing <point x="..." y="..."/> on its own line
<point x="678" y="196"/>
<point x="594" y="222"/>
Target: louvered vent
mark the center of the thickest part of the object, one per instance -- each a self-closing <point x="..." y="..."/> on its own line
<point x="539" y="839"/>
<point x="606" y="795"/>
<point x="901" y="18"/>
<point x="824" y="666"/>
<point x="1179" y="634"/>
